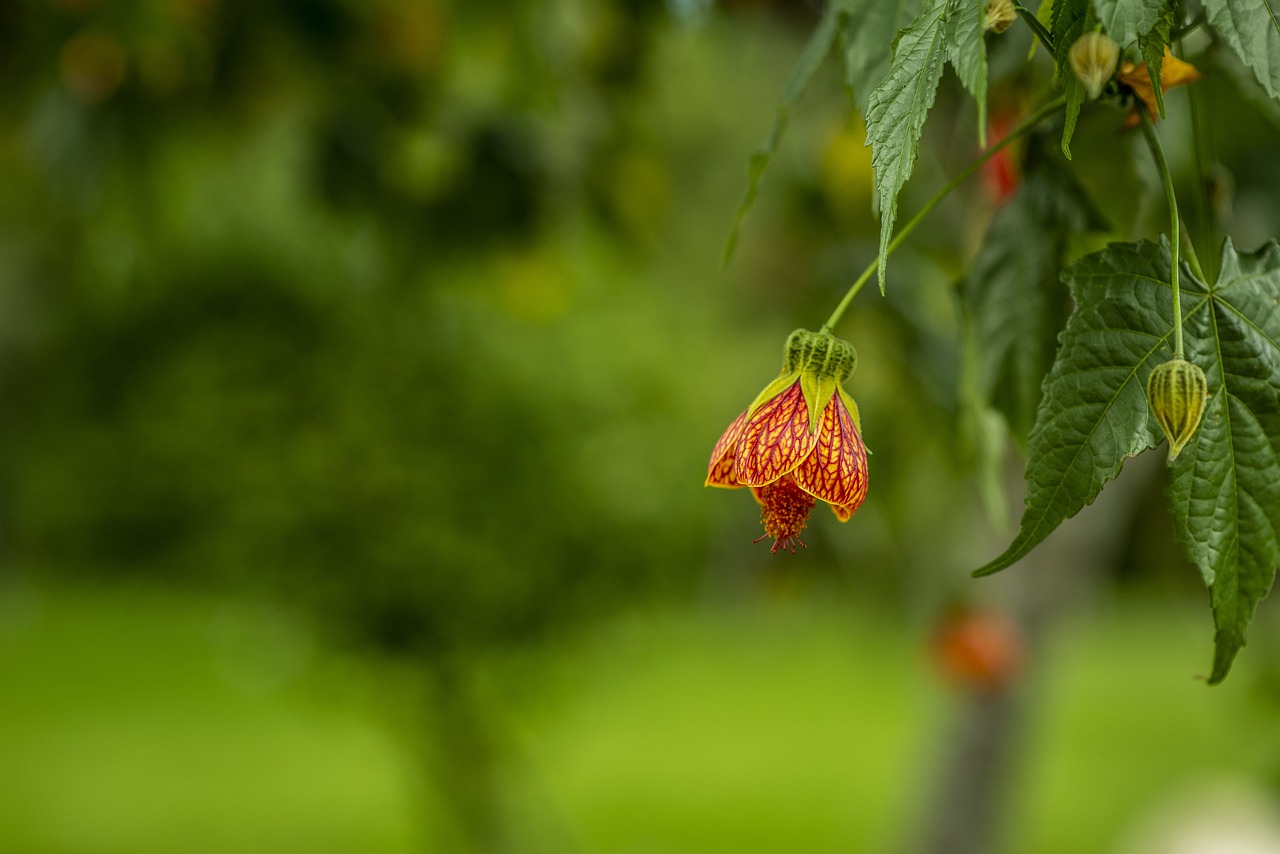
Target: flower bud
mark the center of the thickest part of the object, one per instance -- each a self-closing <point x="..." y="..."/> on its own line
<point x="1093" y="60"/>
<point x="1177" y="392"/>
<point x="1000" y="16"/>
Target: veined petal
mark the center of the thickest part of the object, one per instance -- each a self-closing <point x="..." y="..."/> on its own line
<point x="844" y="512"/>
<point x="720" y="469"/>
<point x="836" y="471"/>
<point x="775" y="439"/>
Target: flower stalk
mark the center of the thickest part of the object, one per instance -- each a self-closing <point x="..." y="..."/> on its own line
<point x="1175" y="241"/>
<point x="1017" y="133"/>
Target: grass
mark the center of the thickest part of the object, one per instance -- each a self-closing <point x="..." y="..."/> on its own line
<point x="148" y="721"/>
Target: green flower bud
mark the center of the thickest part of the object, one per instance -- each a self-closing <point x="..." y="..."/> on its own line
<point x="1000" y="16"/>
<point x="1093" y="60"/>
<point x="1177" y="392"/>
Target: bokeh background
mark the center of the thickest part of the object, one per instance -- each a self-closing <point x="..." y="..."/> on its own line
<point x="359" y="363"/>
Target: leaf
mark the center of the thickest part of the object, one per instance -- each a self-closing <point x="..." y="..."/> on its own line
<point x="1011" y="298"/>
<point x="867" y="32"/>
<point x="1126" y="20"/>
<point x="1224" y="489"/>
<point x="1070" y="20"/>
<point x="1224" y="492"/>
<point x="967" y="51"/>
<point x="1252" y="28"/>
<point x="815" y="50"/>
<point x="897" y="110"/>
<point x="1153" y="43"/>
<point x="1094" y="411"/>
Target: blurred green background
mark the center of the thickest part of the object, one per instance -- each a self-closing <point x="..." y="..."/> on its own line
<point x="359" y="363"/>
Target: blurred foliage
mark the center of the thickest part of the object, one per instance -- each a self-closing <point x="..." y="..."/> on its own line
<point x="407" y="313"/>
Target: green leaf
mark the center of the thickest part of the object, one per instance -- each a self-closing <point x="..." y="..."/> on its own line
<point x="1225" y="486"/>
<point x="867" y="32"/>
<point x="1094" y="411"/>
<point x="1071" y="18"/>
<point x="1152" y="43"/>
<point x="815" y="51"/>
<point x="1224" y="489"/>
<point x="1252" y="28"/>
<point x="897" y="110"/>
<point x="967" y="51"/>
<point x="1012" y="301"/>
<point x="1126" y="20"/>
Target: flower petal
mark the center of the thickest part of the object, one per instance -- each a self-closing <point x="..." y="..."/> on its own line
<point x="775" y="439"/>
<point x="836" y="471"/>
<point x="720" y="469"/>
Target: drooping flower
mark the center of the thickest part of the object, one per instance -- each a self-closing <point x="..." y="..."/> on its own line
<point x="1177" y="392"/>
<point x="1093" y="60"/>
<point x="1173" y="72"/>
<point x="799" y="442"/>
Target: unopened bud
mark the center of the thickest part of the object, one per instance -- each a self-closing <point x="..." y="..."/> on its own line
<point x="1093" y="60"/>
<point x="1177" y="392"/>
<point x="1000" y="16"/>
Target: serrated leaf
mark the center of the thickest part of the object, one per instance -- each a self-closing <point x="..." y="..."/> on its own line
<point x="1224" y="489"/>
<point x="1012" y="301"/>
<point x="867" y="32"/>
<point x="897" y="110"/>
<point x="1070" y="20"/>
<point x="1152" y="43"/>
<point x="1252" y="28"/>
<point x="1093" y="414"/>
<point x="815" y="50"/>
<point x="1126" y="20"/>
<point x="967" y="51"/>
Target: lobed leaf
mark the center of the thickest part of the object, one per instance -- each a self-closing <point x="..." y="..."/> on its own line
<point x="1127" y="20"/>
<point x="897" y="110"/>
<point x="1252" y="28"/>
<point x="867" y="32"/>
<point x="1093" y="414"/>
<point x="1224" y="489"/>
<point x="1070" y="19"/>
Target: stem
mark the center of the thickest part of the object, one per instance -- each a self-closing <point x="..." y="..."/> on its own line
<point x="1030" y="19"/>
<point x="1013" y="135"/>
<point x="1153" y="140"/>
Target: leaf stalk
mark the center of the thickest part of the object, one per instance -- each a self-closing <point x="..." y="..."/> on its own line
<point x="1175" y="240"/>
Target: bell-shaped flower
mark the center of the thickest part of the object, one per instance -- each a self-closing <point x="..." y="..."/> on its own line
<point x="799" y="442"/>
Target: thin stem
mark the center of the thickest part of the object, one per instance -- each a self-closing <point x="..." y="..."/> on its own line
<point x="1013" y="135"/>
<point x="1153" y="140"/>
<point x="1030" y="19"/>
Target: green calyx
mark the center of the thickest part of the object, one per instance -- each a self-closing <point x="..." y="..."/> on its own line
<point x="1177" y="392"/>
<point x="821" y="362"/>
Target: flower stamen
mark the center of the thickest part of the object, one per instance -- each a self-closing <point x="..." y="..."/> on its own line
<point x="784" y="514"/>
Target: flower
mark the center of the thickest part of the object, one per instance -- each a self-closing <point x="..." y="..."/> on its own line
<point x="1173" y="72"/>
<point x="799" y="442"/>
<point x="1177" y="392"/>
<point x="1093" y="61"/>
<point x="1000" y="16"/>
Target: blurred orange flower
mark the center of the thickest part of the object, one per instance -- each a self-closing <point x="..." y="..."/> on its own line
<point x="799" y="442"/>
<point x="1173" y="72"/>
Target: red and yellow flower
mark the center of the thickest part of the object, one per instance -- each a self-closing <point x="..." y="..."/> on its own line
<point x="799" y="442"/>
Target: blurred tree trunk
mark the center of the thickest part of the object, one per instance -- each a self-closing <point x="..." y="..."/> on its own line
<point x="975" y="783"/>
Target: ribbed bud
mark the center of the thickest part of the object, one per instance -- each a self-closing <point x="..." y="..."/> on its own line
<point x="820" y="354"/>
<point x="1177" y="392"/>
<point x="1093" y="60"/>
<point x="1000" y="16"/>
